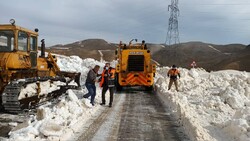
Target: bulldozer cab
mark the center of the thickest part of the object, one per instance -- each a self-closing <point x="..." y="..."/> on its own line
<point x="6" y="40"/>
<point x="15" y="39"/>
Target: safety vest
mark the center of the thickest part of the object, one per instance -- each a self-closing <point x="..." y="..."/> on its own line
<point x="111" y="71"/>
<point x="173" y="72"/>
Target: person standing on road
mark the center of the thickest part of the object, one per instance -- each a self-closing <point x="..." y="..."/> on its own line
<point x="90" y="83"/>
<point x="173" y="73"/>
<point x="107" y="82"/>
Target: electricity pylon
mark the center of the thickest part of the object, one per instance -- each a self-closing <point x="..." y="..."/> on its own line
<point x="173" y="33"/>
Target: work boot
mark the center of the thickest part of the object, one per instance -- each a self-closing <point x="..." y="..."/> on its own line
<point x="110" y="105"/>
<point x="102" y="104"/>
<point x="85" y="96"/>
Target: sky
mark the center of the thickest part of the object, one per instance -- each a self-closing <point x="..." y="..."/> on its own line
<point x="67" y="21"/>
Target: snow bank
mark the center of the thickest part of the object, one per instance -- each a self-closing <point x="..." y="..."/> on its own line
<point x="53" y="123"/>
<point x="76" y="64"/>
<point x="210" y="106"/>
<point x="63" y="120"/>
<point x="45" y="87"/>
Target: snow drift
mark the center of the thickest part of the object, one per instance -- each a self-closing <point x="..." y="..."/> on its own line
<point x="61" y="121"/>
<point x="211" y="106"/>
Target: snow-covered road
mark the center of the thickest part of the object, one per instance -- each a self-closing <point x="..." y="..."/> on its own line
<point x="104" y="127"/>
<point x="136" y="115"/>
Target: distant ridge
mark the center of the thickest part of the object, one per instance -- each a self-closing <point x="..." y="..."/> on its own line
<point x="208" y="56"/>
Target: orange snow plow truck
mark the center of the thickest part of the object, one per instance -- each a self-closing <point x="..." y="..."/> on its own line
<point x="134" y="66"/>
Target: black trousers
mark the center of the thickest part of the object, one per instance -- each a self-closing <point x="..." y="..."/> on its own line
<point x="111" y="91"/>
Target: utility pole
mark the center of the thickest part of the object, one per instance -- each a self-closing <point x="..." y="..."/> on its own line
<point x="173" y="33"/>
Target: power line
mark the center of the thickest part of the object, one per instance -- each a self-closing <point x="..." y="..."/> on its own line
<point x="220" y="4"/>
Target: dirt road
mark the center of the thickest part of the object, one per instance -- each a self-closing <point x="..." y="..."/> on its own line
<point x="135" y="116"/>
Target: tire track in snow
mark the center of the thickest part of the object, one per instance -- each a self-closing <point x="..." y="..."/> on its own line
<point x="100" y="129"/>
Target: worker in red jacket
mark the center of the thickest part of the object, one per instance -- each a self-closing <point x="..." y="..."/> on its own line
<point x="107" y="82"/>
<point x="173" y="73"/>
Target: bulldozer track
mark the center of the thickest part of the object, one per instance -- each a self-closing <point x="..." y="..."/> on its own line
<point x="10" y="95"/>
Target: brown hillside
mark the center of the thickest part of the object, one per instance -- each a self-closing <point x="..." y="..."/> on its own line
<point x="86" y="49"/>
<point x="208" y="56"/>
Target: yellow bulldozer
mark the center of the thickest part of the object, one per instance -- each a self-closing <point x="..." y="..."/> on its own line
<point x="134" y="66"/>
<point x="21" y="65"/>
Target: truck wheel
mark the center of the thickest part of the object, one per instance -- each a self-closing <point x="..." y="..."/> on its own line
<point x="117" y="85"/>
<point x="149" y="88"/>
<point x="118" y="88"/>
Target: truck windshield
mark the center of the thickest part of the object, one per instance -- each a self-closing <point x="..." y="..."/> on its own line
<point x="6" y="40"/>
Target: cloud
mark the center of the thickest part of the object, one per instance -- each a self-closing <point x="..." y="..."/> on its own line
<point x="65" y="21"/>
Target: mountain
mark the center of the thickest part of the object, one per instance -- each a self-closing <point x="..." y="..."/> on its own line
<point x="86" y="49"/>
<point x="208" y="56"/>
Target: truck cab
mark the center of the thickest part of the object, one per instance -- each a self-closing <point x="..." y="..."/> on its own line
<point x="134" y="67"/>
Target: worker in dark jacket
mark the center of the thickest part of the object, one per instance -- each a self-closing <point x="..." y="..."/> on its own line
<point x="173" y="73"/>
<point x="107" y="82"/>
<point x="90" y="83"/>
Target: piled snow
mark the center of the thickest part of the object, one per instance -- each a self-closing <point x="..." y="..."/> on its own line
<point x="211" y="106"/>
<point x="52" y="123"/>
<point x="76" y="64"/>
<point x="62" y="121"/>
<point x="45" y="87"/>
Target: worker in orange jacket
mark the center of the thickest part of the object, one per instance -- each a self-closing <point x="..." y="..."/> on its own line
<point x="173" y="73"/>
<point x="107" y="82"/>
